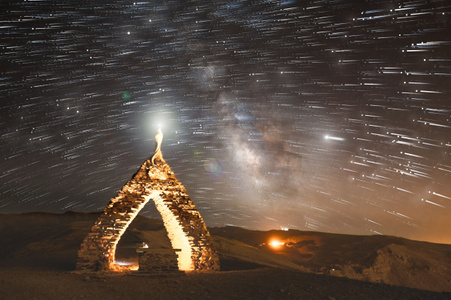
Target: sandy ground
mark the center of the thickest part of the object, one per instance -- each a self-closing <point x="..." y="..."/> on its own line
<point x="265" y="283"/>
<point x="38" y="254"/>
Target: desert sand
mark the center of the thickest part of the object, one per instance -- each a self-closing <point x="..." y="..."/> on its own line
<point x="38" y="252"/>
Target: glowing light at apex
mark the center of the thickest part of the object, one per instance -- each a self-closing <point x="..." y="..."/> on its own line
<point x="158" y="118"/>
<point x="333" y="138"/>
<point x="276" y="244"/>
<point x="158" y="154"/>
<point x="156" y="124"/>
<point x="152" y="124"/>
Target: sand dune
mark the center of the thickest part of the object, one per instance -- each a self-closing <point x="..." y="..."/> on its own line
<point x="383" y="259"/>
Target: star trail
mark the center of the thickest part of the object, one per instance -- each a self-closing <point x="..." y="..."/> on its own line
<point x="326" y="115"/>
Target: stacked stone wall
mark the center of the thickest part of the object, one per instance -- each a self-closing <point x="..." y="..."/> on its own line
<point x="158" y="260"/>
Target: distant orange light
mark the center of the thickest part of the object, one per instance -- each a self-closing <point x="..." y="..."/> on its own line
<point x="276" y="244"/>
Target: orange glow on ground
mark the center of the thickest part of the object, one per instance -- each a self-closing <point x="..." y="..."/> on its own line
<point x="276" y="244"/>
<point x="124" y="266"/>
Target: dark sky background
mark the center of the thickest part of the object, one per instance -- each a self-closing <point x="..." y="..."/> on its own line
<point x="316" y="115"/>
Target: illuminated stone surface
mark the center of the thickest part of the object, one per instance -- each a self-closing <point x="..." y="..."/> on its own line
<point x="185" y="226"/>
<point x="155" y="260"/>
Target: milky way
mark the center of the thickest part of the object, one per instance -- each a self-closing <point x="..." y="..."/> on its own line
<point x="316" y="115"/>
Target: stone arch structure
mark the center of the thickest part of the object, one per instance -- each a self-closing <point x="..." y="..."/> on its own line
<point x="186" y="229"/>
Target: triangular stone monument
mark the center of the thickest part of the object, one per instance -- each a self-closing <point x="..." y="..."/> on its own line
<point x="184" y="224"/>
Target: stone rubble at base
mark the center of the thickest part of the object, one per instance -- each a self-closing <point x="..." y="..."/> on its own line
<point x="158" y="260"/>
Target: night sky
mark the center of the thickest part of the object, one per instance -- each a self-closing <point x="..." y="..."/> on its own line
<point x="326" y="115"/>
